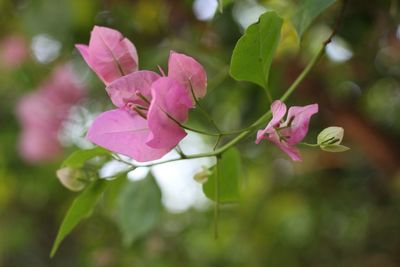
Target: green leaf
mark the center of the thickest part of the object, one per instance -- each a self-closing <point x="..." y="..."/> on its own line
<point x="307" y="11"/>
<point x="78" y="158"/>
<point x="252" y="57"/>
<point x="335" y="148"/>
<point x="226" y="178"/>
<point x="139" y="208"/>
<point x="80" y="209"/>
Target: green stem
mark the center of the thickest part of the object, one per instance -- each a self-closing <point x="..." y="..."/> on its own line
<point x="310" y="145"/>
<point x="216" y="203"/>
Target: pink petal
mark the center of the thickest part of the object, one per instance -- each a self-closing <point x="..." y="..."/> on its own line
<point x="124" y="89"/>
<point x="291" y="151"/>
<point x="300" y="120"/>
<point x="84" y="50"/>
<point x="110" y="55"/>
<point x="121" y="132"/>
<point x="169" y="97"/>
<point x="187" y="71"/>
<point x="278" y="109"/>
<point x="36" y="145"/>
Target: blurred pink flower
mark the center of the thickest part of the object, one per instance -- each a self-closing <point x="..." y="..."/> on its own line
<point x="150" y="108"/>
<point x="109" y="54"/>
<point x="42" y="113"/>
<point x="13" y="51"/>
<point x="286" y="134"/>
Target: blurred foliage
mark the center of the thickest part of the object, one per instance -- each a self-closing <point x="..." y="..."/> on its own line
<point x="330" y="210"/>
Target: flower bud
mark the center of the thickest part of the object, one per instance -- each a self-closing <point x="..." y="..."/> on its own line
<point x="71" y="178"/>
<point x="330" y="138"/>
<point x="202" y="176"/>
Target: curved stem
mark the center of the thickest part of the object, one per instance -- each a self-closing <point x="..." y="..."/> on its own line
<point x="247" y="131"/>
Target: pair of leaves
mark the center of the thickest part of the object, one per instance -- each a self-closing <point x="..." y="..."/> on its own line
<point x="223" y="185"/>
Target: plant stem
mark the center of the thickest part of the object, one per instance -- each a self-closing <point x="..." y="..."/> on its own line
<point x="247" y="131"/>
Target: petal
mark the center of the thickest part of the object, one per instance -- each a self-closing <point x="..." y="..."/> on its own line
<point x="124" y="89"/>
<point x="36" y="145"/>
<point x="170" y="98"/>
<point x="187" y="71"/>
<point x="110" y="54"/>
<point x="84" y="50"/>
<point x="299" y="120"/>
<point x="278" y="109"/>
<point x="124" y="133"/>
<point x="291" y="151"/>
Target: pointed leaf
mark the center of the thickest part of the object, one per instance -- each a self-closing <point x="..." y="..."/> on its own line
<point x="307" y="11"/>
<point x="139" y="208"/>
<point x="253" y="53"/>
<point x="78" y="158"/>
<point x="335" y="148"/>
<point x="228" y="176"/>
<point x="80" y="209"/>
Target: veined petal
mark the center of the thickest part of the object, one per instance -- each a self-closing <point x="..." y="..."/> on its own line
<point x="170" y="99"/>
<point x="121" y="132"/>
<point x="291" y="151"/>
<point x="190" y="73"/>
<point x="110" y="54"/>
<point x="84" y="50"/>
<point x="124" y="89"/>
<point x="299" y="120"/>
<point x="278" y="109"/>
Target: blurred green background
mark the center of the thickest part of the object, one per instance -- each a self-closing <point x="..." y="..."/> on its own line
<point x="331" y="210"/>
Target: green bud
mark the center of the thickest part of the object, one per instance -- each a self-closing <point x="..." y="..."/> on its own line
<point x="330" y="138"/>
<point x="202" y="176"/>
<point x="71" y="178"/>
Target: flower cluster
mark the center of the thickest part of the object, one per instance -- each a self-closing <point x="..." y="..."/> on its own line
<point x="42" y="113"/>
<point x="286" y="134"/>
<point x="150" y="107"/>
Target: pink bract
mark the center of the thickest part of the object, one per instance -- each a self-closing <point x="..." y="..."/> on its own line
<point x="109" y="54"/>
<point x="42" y="113"/>
<point x="290" y="132"/>
<point x="187" y="71"/>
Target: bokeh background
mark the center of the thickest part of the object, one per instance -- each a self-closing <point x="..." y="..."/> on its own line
<point x="330" y="210"/>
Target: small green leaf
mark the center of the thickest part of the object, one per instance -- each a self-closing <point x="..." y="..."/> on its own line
<point x="78" y="158"/>
<point x="335" y="148"/>
<point x="307" y="11"/>
<point x="229" y="174"/>
<point x="252" y="57"/>
<point x="80" y="209"/>
<point x="139" y="208"/>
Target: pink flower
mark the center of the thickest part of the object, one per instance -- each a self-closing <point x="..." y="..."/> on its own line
<point x="109" y="54"/>
<point x="42" y="113"/>
<point x="150" y="108"/>
<point x="13" y="51"/>
<point x="286" y="134"/>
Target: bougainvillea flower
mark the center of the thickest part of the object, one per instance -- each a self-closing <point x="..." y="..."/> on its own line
<point x="151" y="109"/>
<point x="144" y="128"/>
<point x="43" y="112"/>
<point x="109" y="54"/>
<point x="286" y="134"/>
